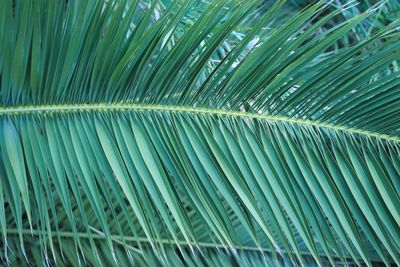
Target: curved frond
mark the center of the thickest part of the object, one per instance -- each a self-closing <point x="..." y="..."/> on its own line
<point x="121" y="144"/>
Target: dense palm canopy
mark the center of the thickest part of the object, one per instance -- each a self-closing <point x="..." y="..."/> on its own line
<point x="226" y="135"/>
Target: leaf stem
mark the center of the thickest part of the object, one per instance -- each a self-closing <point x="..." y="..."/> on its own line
<point x="101" y="107"/>
<point x="98" y="235"/>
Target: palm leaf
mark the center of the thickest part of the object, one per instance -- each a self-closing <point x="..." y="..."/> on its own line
<point x="119" y="146"/>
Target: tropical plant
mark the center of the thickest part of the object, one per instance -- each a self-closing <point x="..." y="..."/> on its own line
<point x="119" y="144"/>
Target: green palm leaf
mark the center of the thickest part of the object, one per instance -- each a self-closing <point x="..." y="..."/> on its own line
<point x="120" y="146"/>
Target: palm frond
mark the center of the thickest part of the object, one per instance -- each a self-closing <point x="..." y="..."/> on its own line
<point x="117" y="147"/>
